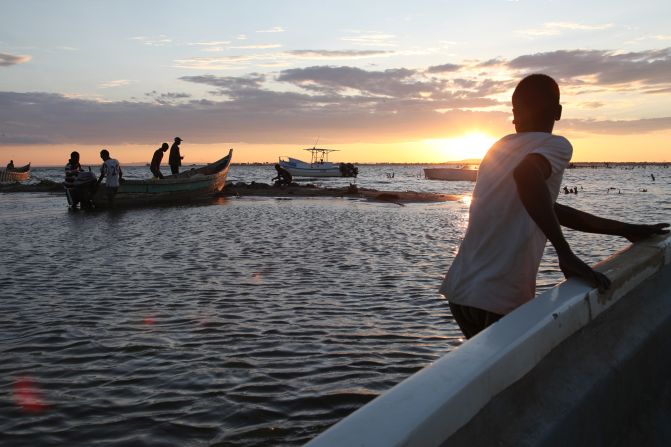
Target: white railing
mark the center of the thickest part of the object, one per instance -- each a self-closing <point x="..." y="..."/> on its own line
<point x="430" y="406"/>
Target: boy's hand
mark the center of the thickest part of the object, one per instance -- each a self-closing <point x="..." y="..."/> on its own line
<point x="572" y="266"/>
<point x="637" y="232"/>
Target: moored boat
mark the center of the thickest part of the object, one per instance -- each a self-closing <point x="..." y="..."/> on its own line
<point x="319" y="165"/>
<point x="188" y="186"/>
<point x="452" y="174"/>
<point x="19" y="174"/>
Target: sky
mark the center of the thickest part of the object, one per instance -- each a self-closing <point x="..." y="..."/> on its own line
<point x="380" y="81"/>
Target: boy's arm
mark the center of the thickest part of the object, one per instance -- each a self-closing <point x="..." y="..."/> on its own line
<point x="589" y="223"/>
<point x="530" y="177"/>
<point x="102" y="173"/>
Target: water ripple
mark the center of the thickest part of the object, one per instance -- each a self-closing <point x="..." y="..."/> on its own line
<point x="246" y="323"/>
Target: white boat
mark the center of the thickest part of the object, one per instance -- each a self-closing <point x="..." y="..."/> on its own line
<point x="463" y="173"/>
<point x="319" y="165"/>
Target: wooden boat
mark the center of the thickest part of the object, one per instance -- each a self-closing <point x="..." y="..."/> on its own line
<point x="187" y="186"/>
<point x="453" y="174"/>
<point x="319" y="165"/>
<point x="19" y="174"/>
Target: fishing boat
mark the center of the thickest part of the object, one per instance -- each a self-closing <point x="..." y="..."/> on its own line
<point x="188" y="186"/>
<point x="319" y="165"/>
<point x="19" y="174"/>
<point x="462" y="173"/>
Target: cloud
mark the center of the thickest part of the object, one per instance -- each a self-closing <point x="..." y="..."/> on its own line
<point x="275" y="29"/>
<point x="370" y="38"/>
<point x="7" y="60"/>
<point x="261" y="46"/>
<point x="445" y="68"/>
<point x="338" y="54"/>
<point x="341" y="103"/>
<point x="578" y="26"/>
<point x="592" y="105"/>
<point x="219" y="63"/>
<point x="599" y="67"/>
<point x="393" y="82"/>
<point x="157" y="41"/>
<point x="251" y="81"/>
<point x="168" y="98"/>
<point x="272" y="59"/>
<point x="115" y="83"/>
<point x="555" y="28"/>
<point x="210" y="43"/>
<point x="247" y="111"/>
<point x="618" y="127"/>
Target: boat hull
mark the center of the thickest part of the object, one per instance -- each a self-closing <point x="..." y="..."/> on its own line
<point x="451" y="174"/>
<point x="189" y="186"/>
<point x="15" y="175"/>
<point x="298" y="168"/>
<point x="314" y="172"/>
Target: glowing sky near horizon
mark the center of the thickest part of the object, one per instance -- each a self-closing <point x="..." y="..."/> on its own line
<point x="397" y="81"/>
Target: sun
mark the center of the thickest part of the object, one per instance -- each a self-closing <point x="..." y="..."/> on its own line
<point x="469" y="145"/>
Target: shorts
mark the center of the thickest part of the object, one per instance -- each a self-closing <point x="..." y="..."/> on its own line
<point x="472" y="320"/>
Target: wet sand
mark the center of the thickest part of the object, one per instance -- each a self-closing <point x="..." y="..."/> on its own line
<point x="254" y="189"/>
<point x="42" y="186"/>
<point x="265" y="190"/>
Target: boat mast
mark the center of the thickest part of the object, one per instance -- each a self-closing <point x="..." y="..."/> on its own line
<point x="319" y="155"/>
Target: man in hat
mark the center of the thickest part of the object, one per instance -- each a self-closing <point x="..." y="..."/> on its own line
<point x="155" y="166"/>
<point x="175" y="158"/>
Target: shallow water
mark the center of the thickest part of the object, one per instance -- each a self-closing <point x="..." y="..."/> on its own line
<point x="246" y="322"/>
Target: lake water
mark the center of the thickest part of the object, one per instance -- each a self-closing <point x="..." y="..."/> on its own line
<point x="241" y="322"/>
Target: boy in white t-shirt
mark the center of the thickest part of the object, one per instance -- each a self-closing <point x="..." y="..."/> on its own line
<point x="112" y="170"/>
<point x="513" y="213"/>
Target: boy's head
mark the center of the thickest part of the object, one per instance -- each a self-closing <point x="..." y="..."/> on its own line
<point x="104" y="154"/>
<point x="74" y="156"/>
<point x="165" y="147"/>
<point x="536" y="104"/>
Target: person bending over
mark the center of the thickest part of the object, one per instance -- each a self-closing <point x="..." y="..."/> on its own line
<point x="283" y="176"/>
<point x="155" y="166"/>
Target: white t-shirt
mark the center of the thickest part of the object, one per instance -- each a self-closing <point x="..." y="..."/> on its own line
<point x="110" y="169"/>
<point x="496" y="266"/>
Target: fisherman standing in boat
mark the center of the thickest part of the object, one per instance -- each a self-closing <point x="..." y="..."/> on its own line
<point x="112" y="171"/>
<point x="514" y="212"/>
<point x="155" y="166"/>
<point x="10" y="165"/>
<point x="175" y="158"/>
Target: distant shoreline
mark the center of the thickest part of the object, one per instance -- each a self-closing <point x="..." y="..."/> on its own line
<point x="576" y="164"/>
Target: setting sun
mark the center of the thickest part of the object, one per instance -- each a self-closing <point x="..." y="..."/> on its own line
<point x="470" y="145"/>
